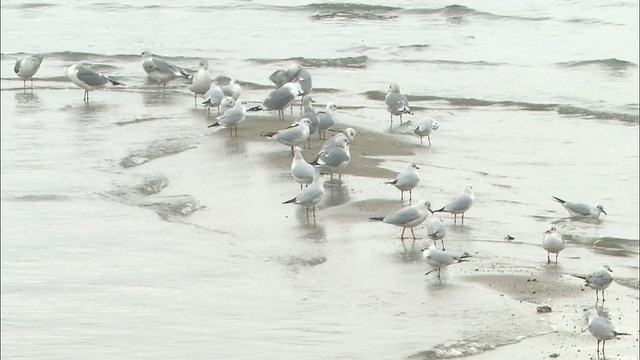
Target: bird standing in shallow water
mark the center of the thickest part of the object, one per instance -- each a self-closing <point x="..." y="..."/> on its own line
<point x="580" y="209"/>
<point x="598" y="280"/>
<point x="310" y="196"/>
<point x="406" y="180"/>
<point x="425" y="127"/>
<point x="438" y="259"/>
<point x="82" y="75"/>
<point x="396" y="103"/>
<point x="408" y="217"/>
<point x="161" y="71"/>
<point x="26" y="67"/>
<point x="201" y="81"/>
<point x="602" y="329"/>
<point x="553" y="242"/>
<point x="459" y="204"/>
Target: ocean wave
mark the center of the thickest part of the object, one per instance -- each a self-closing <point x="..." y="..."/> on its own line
<point x="152" y="185"/>
<point x="600" y="115"/>
<point x="561" y="109"/>
<point x="611" y="63"/>
<point x="155" y="150"/>
<point x="458" y="11"/>
<point x="458" y="349"/>
<point x="27" y="6"/>
<point x="341" y="62"/>
<point x="447" y="62"/>
<point x="169" y="208"/>
<point x="40" y="197"/>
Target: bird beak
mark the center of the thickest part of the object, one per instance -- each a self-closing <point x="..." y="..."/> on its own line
<point x="605" y="212"/>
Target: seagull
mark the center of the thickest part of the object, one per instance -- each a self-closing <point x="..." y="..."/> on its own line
<point x="406" y="180"/>
<point x="82" y="75"/>
<point x="310" y="114"/>
<point x="580" y="209"/>
<point x="294" y="135"/>
<point x="326" y="119"/>
<point x="408" y="217"/>
<point x="552" y="242"/>
<point x="396" y="103"/>
<point x="160" y="70"/>
<point x="459" y="204"/>
<point x="231" y="118"/>
<point x="598" y="280"/>
<point x="201" y="81"/>
<point x="279" y="99"/>
<point x="310" y="196"/>
<point x="213" y="97"/>
<point x="348" y="133"/>
<point x="301" y="171"/>
<point x="335" y="159"/>
<point x="226" y="104"/>
<point x="436" y="230"/>
<point x="281" y="77"/>
<point x="438" y="259"/>
<point x="232" y="89"/>
<point x="425" y="127"/>
<point x="602" y="329"/>
<point x="303" y="78"/>
<point x="28" y="66"/>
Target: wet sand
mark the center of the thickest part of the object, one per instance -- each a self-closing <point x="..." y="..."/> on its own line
<point x="505" y="279"/>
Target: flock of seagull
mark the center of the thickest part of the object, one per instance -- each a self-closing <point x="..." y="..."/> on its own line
<point x="334" y="156"/>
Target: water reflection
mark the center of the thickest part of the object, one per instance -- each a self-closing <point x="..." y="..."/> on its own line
<point x="27" y="101"/>
<point x="153" y="98"/>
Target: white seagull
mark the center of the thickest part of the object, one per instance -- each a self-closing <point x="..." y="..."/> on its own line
<point x="310" y="196"/>
<point x="26" y="67"/>
<point x="459" y="204"/>
<point x="425" y="127"/>
<point x="599" y="280"/>
<point x="580" y="209"/>
<point x="201" y="81"/>
<point x="294" y="135"/>
<point x="160" y="70"/>
<point x="553" y="242"/>
<point x="602" y="329"/>
<point x="82" y="75"/>
<point x="396" y="103"/>
<point x="408" y="217"/>
<point x="301" y="171"/>
<point x="406" y="180"/>
<point x="438" y="259"/>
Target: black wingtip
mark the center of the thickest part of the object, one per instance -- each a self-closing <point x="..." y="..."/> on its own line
<point x="290" y="201"/>
<point x="255" y="108"/>
<point x="439" y="210"/>
<point x="214" y="124"/>
<point x="558" y="200"/>
<point x="116" y="82"/>
<point x="377" y="218"/>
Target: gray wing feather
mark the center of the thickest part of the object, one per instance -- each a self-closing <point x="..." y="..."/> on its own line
<point x="304" y="79"/>
<point x="582" y="209"/>
<point x="278" y="99"/>
<point x="403" y="216"/>
<point x="232" y="116"/>
<point x="91" y="77"/>
<point x="16" y="67"/>
<point x="279" y="77"/>
<point x="157" y="64"/>
<point x="460" y="202"/>
<point x="334" y="157"/>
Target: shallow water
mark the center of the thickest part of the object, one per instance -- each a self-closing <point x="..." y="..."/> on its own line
<point x="129" y="229"/>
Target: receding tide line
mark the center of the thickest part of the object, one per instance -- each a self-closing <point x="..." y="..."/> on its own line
<point x="562" y="109"/>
